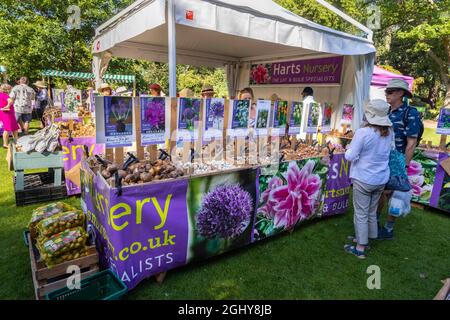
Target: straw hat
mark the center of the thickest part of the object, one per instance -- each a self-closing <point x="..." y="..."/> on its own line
<point x="121" y="90"/>
<point x="377" y="113"/>
<point x="40" y="84"/>
<point x="104" y="86"/>
<point x="207" y="88"/>
<point x="186" y="93"/>
<point x="399" y="84"/>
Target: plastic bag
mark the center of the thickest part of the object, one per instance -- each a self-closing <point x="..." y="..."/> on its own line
<point x="69" y="241"/>
<point x="60" y="222"/>
<point x="48" y="210"/>
<point x="400" y="204"/>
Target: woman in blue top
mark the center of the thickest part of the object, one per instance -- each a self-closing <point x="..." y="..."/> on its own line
<point x="369" y="171"/>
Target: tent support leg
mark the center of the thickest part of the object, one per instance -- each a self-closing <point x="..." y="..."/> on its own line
<point x="172" y="49"/>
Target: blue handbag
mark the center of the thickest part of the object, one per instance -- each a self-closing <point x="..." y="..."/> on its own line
<point x="398" y="179"/>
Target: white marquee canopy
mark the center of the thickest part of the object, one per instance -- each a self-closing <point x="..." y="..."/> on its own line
<point x="232" y="33"/>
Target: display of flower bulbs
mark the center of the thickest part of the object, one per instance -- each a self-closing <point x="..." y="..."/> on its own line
<point x="46" y="139"/>
<point x="140" y="172"/>
<point x="83" y="112"/>
<point x="80" y="129"/>
<point x="304" y="151"/>
<point x="51" y="113"/>
<point x="348" y="134"/>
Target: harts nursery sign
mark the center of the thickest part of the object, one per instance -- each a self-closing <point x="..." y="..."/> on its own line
<point x="314" y="71"/>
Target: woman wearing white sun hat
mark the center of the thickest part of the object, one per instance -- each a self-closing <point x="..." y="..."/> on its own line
<point x="369" y="171"/>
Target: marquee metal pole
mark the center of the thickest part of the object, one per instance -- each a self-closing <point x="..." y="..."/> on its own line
<point x="172" y="49"/>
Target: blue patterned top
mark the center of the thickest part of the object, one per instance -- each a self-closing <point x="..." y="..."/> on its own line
<point x="404" y="130"/>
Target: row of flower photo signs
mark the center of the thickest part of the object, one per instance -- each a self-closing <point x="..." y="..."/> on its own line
<point x="154" y="119"/>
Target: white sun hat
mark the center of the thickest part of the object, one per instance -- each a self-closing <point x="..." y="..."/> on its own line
<point x="376" y="112"/>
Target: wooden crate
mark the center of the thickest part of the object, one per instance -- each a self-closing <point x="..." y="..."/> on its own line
<point x="46" y="280"/>
<point x="36" y="160"/>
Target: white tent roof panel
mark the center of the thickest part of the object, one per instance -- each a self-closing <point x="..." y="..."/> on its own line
<point x="232" y="30"/>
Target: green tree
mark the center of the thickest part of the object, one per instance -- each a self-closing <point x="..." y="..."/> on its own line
<point x="35" y="35"/>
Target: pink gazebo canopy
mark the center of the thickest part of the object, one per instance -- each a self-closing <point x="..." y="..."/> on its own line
<point x="381" y="77"/>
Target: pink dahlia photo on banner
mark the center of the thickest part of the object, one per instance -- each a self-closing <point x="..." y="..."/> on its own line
<point x="290" y="196"/>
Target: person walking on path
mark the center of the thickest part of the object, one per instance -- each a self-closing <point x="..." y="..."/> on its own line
<point x="22" y="96"/>
<point x="7" y="116"/>
<point x="369" y="172"/>
<point x="41" y="100"/>
<point x="406" y="124"/>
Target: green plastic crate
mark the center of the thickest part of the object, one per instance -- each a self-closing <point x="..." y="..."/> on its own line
<point x="104" y="285"/>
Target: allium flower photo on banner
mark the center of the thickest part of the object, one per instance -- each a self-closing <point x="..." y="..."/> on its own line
<point x="222" y="212"/>
<point x="289" y="197"/>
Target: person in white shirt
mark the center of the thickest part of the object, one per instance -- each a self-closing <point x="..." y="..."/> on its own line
<point x="308" y="97"/>
<point x="369" y="171"/>
<point x="22" y="96"/>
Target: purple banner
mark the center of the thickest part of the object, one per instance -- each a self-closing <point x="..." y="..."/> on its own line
<point x="72" y="156"/>
<point x="337" y="186"/>
<point x="439" y="179"/>
<point x="142" y="232"/>
<point x="314" y="71"/>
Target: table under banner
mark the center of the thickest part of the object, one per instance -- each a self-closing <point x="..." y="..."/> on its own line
<point x="154" y="227"/>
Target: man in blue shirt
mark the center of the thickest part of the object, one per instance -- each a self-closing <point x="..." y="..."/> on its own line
<point x="406" y="124"/>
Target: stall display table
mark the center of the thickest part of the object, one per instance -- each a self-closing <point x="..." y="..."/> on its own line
<point x="153" y="227"/>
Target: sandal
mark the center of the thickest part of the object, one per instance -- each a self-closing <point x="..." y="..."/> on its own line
<point x="353" y="239"/>
<point x="352" y="249"/>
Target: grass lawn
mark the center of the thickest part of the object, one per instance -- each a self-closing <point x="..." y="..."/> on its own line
<point x="307" y="264"/>
<point x="429" y="134"/>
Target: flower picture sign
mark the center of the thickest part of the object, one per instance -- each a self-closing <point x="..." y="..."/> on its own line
<point x="70" y="99"/>
<point x="347" y="114"/>
<point x="262" y="117"/>
<point x="312" y="71"/>
<point x="239" y="118"/>
<point x="443" y="126"/>
<point x="214" y="115"/>
<point x="153" y="120"/>
<point x="188" y="117"/>
<point x="313" y="117"/>
<point x="295" y="121"/>
<point x="118" y="116"/>
<point x="279" y="118"/>
<point x="327" y="111"/>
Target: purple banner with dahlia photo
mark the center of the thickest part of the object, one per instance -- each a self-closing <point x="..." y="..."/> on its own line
<point x="290" y="196"/>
